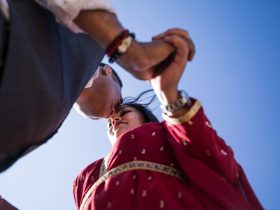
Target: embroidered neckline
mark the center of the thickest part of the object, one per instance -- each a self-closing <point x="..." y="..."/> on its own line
<point x="130" y="166"/>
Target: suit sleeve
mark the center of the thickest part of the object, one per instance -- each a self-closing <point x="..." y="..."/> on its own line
<point x="67" y="10"/>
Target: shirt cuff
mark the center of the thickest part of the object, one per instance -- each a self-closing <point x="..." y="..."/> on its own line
<point x="185" y="117"/>
<point x="67" y="10"/>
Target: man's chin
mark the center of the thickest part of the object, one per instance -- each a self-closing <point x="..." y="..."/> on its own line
<point x="101" y="114"/>
<point x="97" y="116"/>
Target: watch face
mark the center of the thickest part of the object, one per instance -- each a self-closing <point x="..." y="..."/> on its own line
<point x="184" y="94"/>
<point x="179" y="103"/>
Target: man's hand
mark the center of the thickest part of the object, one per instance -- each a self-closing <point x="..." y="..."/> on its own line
<point x="140" y="59"/>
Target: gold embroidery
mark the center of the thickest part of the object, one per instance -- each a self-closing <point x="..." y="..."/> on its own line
<point x="130" y="166"/>
<point x="184" y="118"/>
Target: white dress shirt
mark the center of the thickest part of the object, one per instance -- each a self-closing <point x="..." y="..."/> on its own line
<point x="66" y="10"/>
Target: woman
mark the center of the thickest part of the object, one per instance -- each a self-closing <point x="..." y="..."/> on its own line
<point x="180" y="163"/>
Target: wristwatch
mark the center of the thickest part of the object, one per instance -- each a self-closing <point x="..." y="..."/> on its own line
<point x="181" y="101"/>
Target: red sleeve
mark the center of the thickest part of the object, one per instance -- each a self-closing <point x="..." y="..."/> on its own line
<point x="197" y="138"/>
<point x="85" y="180"/>
<point x="77" y="192"/>
<point x="5" y="205"/>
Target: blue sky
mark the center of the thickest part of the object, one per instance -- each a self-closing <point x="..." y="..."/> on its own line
<point x="235" y="74"/>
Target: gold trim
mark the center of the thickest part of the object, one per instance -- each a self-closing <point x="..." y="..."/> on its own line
<point x="133" y="165"/>
<point x="184" y="118"/>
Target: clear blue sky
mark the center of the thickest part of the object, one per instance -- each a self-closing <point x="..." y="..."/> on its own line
<point x="235" y="74"/>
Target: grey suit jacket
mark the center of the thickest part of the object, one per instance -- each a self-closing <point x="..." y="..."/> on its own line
<point x="43" y="68"/>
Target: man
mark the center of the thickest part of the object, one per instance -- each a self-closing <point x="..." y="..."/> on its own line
<point x="44" y="66"/>
<point x="101" y="94"/>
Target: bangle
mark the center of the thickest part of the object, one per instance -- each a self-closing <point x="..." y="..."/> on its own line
<point x="186" y="117"/>
<point x="119" y="45"/>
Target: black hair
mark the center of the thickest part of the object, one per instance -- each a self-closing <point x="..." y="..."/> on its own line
<point x="115" y="73"/>
<point x="143" y="108"/>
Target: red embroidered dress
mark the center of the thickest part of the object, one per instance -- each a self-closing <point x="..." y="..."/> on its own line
<point x="178" y="164"/>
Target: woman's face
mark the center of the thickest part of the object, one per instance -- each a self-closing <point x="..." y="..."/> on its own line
<point x="124" y="119"/>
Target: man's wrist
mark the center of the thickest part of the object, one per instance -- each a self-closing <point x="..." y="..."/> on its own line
<point x="121" y="43"/>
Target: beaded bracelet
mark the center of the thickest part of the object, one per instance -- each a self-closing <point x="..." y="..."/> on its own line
<point x="119" y="45"/>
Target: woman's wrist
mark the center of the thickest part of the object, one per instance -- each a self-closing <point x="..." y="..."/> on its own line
<point x="176" y="103"/>
<point x="185" y="114"/>
<point x="167" y="96"/>
<point x="181" y="111"/>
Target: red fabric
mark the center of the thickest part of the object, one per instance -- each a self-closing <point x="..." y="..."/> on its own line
<point x="5" y="205"/>
<point x="214" y="180"/>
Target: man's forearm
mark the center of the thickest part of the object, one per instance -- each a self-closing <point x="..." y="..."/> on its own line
<point x="101" y="25"/>
<point x="139" y="59"/>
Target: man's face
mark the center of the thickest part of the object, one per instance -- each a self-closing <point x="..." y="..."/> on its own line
<point x="98" y="100"/>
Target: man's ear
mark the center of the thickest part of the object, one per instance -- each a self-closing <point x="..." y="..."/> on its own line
<point x="106" y="70"/>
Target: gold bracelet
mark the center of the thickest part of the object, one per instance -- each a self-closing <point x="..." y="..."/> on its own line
<point x="185" y="117"/>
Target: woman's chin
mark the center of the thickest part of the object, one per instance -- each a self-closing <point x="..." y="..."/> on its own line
<point x="121" y="131"/>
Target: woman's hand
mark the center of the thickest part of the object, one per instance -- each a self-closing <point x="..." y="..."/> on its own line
<point x="165" y="84"/>
<point x="182" y="33"/>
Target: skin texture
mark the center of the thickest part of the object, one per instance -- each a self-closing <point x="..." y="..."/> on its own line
<point x="101" y="97"/>
<point x="124" y="119"/>
<point x="140" y="59"/>
<point x="165" y="85"/>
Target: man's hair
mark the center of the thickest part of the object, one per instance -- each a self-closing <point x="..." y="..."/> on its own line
<point x="115" y="74"/>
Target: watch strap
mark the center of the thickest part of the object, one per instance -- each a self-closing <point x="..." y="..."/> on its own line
<point x="182" y="100"/>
